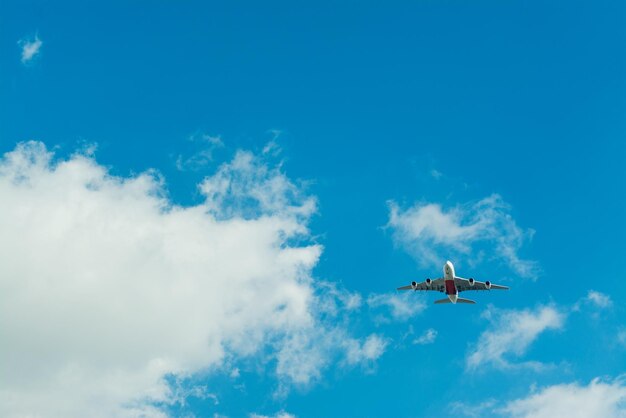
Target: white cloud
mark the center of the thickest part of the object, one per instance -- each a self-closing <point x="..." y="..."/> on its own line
<point x="201" y="159"/>
<point x="436" y="174"/>
<point x="428" y="337"/>
<point x="334" y="300"/>
<point x="599" y="299"/>
<point x="593" y="299"/>
<point x="247" y="187"/>
<point x="402" y="306"/>
<point x="600" y="398"/>
<point x="305" y="354"/>
<point x="281" y="414"/>
<point x="30" y="48"/>
<point x="106" y="286"/>
<point x="510" y="335"/>
<point x="475" y="411"/>
<point x="621" y="336"/>
<point x="362" y="353"/>
<point x="433" y="234"/>
<point x="180" y="393"/>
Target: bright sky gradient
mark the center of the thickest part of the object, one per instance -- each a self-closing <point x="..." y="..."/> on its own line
<point x="220" y="199"/>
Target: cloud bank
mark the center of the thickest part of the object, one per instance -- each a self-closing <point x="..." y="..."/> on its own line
<point x="106" y="286"/>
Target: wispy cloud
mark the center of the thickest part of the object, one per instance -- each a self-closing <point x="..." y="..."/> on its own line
<point x="367" y="351"/>
<point x="272" y="147"/>
<point x="304" y="355"/>
<point x="428" y="337"/>
<point x="208" y="144"/>
<point x="480" y="410"/>
<point x="281" y="414"/>
<point x="599" y="299"/>
<point x="593" y="299"/>
<point x="510" y="335"/>
<point x="433" y="234"/>
<point x="30" y="48"/>
<point x="400" y="306"/>
<point x="600" y="398"/>
<point x="247" y="187"/>
<point x="307" y="353"/>
<point x="436" y="174"/>
<point x="621" y="336"/>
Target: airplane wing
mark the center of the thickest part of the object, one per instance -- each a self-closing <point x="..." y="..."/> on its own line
<point x="465" y="284"/>
<point x="435" y="284"/>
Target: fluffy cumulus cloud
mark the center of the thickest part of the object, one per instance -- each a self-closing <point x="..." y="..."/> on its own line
<point x="107" y="287"/>
<point x="432" y="233"/>
<point x="510" y="335"/>
<point x="30" y="48"/>
<point x="600" y="398"/>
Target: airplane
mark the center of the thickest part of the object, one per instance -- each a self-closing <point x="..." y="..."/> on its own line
<point x="452" y="285"/>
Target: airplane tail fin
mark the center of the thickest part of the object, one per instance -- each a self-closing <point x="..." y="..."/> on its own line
<point x="459" y="300"/>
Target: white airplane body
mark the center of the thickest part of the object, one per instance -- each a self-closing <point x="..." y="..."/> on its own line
<point x="452" y="285"/>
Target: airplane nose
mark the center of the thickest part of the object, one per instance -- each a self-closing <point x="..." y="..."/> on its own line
<point x="448" y="268"/>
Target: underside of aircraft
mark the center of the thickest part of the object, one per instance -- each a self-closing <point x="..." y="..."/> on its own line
<point x="452" y="285"/>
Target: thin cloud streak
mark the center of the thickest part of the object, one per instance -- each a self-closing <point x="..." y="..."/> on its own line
<point x="428" y="337"/>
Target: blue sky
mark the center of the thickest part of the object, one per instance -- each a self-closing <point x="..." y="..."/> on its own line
<point x="496" y="129"/>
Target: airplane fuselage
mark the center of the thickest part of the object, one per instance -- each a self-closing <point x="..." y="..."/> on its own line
<point x="452" y="285"/>
<point x="448" y="281"/>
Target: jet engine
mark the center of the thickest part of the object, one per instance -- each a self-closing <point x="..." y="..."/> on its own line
<point x="428" y="282"/>
<point x="471" y="281"/>
<point x="488" y="284"/>
<point x="413" y="285"/>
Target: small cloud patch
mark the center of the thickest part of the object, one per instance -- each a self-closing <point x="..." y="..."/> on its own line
<point x="599" y="299"/>
<point x="30" y="48"/>
<point x="428" y="337"/>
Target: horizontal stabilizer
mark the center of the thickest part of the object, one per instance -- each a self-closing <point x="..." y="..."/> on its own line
<point x="461" y="300"/>
<point x="446" y="300"/>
